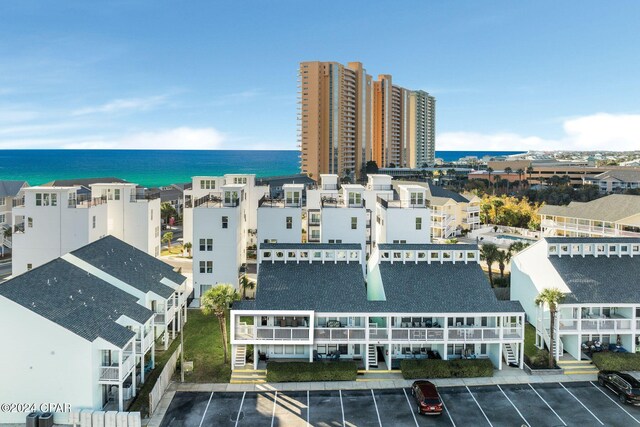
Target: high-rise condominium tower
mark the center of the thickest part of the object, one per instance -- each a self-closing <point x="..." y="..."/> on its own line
<point x="334" y="118"/>
<point x="422" y="129"/>
<point x="345" y="119"/>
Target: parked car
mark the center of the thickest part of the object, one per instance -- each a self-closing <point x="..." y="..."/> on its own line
<point x="427" y="397"/>
<point x="624" y="385"/>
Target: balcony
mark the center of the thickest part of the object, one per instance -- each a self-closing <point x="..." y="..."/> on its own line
<point x="417" y="334"/>
<point x="159" y="319"/>
<point x="478" y="334"/>
<point x="215" y="200"/>
<point x="268" y="202"/>
<point x="115" y="373"/>
<point x="472" y="209"/>
<point x="340" y="334"/>
<point x="86" y="201"/>
<point x="143" y="197"/>
<point x="407" y="204"/>
<point x="589" y="229"/>
<point x="282" y="334"/>
<point x="143" y="345"/>
<point x="331" y="201"/>
<point x="606" y="325"/>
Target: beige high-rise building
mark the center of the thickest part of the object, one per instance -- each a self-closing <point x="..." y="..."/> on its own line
<point x="346" y="119"/>
<point x="334" y="118"/>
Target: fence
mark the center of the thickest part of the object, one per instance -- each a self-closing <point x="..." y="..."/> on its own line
<point x="163" y="381"/>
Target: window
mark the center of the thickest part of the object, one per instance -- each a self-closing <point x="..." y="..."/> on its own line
<point x="289" y="223"/>
<point x="209" y="245"/>
<point x="116" y="194"/>
<point x="2" y="201"/>
<point x="54" y="199"/>
<point x="30" y="222"/>
<point x="93" y="222"/>
<point x="293" y="197"/>
<point x="418" y="223"/>
<point x="354" y="223"/>
<point x="38" y="199"/>
<point x="2" y="218"/>
<point x="204" y="288"/>
<point x="29" y="267"/>
<point x="206" y="266"/>
<point x="225" y="222"/>
<point x="206" y="245"/>
<point x="417" y="198"/>
<point x="355" y="198"/>
<point x="230" y="197"/>
<point x="45" y="199"/>
<point x="151" y="214"/>
<point x="207" y="184"/>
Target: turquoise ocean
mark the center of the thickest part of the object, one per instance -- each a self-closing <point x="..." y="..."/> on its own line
<point x="152" y="168"/>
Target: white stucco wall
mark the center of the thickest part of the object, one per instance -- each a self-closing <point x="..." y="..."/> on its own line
<point x="272" y="224"/>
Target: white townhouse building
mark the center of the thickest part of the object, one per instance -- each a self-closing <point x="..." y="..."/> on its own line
<point x="405" y="219"/>
<point x="600" y="280"/>
<point x="616" y="215"/>
<point x="418" y="301"/>
<point x="220" y="220"/>
<point x="156" y="285"/>
<point x="9" y="192"/>
<point x="280" y="219"/>
<point x="51" y="221"/>
<point x="71" y="338"/>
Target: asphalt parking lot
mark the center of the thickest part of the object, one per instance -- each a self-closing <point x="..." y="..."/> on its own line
<point x="512" y="405"/>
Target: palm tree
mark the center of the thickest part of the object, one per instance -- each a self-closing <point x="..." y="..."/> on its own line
<point x="530" y="171"/>
<point x="496" y="179"/>
<point x="489" y="253"/>
<point x="489" y="172"/>
<point x="503" y="258"/>
<point x="167" y="211"/>
<point x="516" y="247"/>
<point x="167" y="238"/>
<point x="217" y="301"/>
<point x="508" y="171"/>
<point x="551" y="297"/>
<point x="188" y="247"/>
<point x="245" y="284"/>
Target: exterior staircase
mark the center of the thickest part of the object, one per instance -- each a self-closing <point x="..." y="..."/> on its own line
<point x="240" y="357"/>
<point x="373" y="356"/>
<point x="509" y="353"/>
<point x="578" y="367"/>
<point x="248" y="376"/>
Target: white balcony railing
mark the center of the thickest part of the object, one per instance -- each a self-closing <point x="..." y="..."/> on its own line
<point x="475" y="334"/>
<point x="417" y="334"/>
<point x="282" y="334"/>
<point x="112" y="373"/>
<point x="159" y="319"/>
<point x="606" y="324"/>
<point x="143" y="345"/>
<point x="340" y="334"/>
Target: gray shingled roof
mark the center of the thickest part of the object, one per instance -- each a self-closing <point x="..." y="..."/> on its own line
<point x="90" y="314"/>
<point x="10" y="188"/>
<point x="327" y="287"/>
<point x="438" y="191"/>
<point x="84" y="182"/>
<point x="311" y="246"/>
<point x="426" y="247"/>
<point x="600" y="280"/>
<point x="569" y="240"/>
<point x="130" y="265"/>
<point x="625" y="175"/>
<point x="440" y="288"/>
<point x="614" y="207"/>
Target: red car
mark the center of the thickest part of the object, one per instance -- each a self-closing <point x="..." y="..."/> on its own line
<point x="427" y="398"/>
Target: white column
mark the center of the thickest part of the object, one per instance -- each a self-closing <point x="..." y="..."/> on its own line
<point x="255" y="356"/>
<point x="133" y="373"/>
<point x="153" y="354"/>
<point x="142" y="351"/>
<point x="120" y="400"/>
<point x="521" y="346"/>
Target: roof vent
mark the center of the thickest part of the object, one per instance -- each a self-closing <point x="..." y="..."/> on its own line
<point x="70" y="297"/>
<point x="107" y="253"/>
<point x="33" y="304"/>
<point x="80" y="291"/>
<point x="125" y="263"/>
<point x="130" y="259"/>
<point x="48" y="282"/>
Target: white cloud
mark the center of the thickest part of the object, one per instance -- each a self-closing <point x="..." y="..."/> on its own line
<point x="124" y="104"/>
<point x="601" y="131"/>
<point x="182" y="138"/>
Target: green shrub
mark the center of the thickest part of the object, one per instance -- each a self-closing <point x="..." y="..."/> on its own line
<point x="437" y="368"/>
<point x="609" y="361"/>
<point x="539" y="360"/>
<point x="318" y="371"/>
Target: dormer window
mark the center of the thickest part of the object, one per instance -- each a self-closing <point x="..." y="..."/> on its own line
<point x="230" y="197"/>
<point x="417" y="198"/>
<point x="292" y="197"/>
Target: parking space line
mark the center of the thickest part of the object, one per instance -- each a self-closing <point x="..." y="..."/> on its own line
<point x="410" y="408"/>
<point x="342" y="409"/>
<point x="480" y="407"/>
<point x="376" y="406"/>
<point x="548" y="406"/>
<point x="447" y="411"/>
<point x="205" y="409"/>
<point x="240" y="408"/>
<point x="275" y="402"/>
<point x="308" y="408"/>
<point x="619" y="406"/>
<point x="580" y="402"/>
<point x="514" y="406"/>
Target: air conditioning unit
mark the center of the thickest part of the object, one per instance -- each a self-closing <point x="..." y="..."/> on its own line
<point x="32" y="419"/>
<point x="110" y="419"/>
<point x="74" y="417"/>
<point x="46" y="420"/>
<point x="121" y="420"/>
<point x="134" y="420"/>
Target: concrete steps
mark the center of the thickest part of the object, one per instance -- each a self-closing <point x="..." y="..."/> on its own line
<point x="248" y="376"/>
<point x="577" y="367"/>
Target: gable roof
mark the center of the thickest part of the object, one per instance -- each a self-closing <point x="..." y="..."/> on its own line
<point x="438" y="191"/>
<point x="11" y="188"/>
<point x="323" y="287"/>
<point x="599" y="280"/>
<point x="624" y="175"/>
<point x="76" y="300"/>
<point x="130" y="265"/>
<point x="614" y="207"/>
<point x="440" y="288"/>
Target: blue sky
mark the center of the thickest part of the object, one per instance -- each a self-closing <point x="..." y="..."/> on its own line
<point x="159" y="74"/>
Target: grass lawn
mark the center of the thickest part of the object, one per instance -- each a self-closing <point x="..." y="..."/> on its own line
<point x="203" y="346"/>
<point x="175" y="250"/>
<point x="530" y="348"/>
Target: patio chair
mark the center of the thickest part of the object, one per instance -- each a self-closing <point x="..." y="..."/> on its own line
<point x="335" y="356"/>
<point x="263" y="356"/>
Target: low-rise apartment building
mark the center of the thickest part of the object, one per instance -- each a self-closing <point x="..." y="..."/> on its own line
<point x="417" y="301"/>
<point x="615" y="181"/>
<point x="599" y="278"/>
<point x="616" y="215"/>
